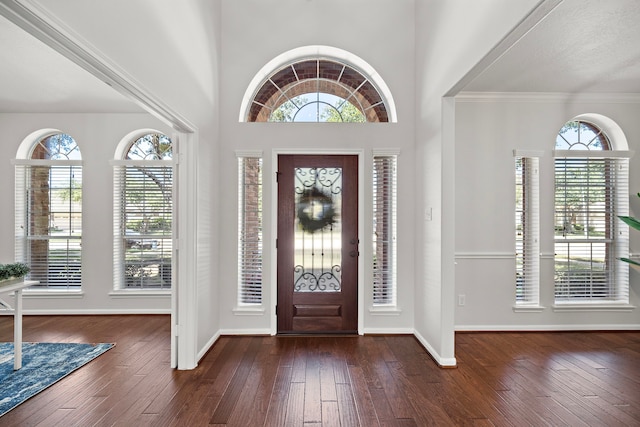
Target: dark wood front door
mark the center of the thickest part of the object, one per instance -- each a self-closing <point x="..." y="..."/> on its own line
<point x="317" y="244"/>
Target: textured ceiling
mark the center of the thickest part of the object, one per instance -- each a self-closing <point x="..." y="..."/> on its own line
<point x="583" y="46"/>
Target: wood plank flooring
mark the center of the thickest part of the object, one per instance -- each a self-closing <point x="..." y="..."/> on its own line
<point x="502" y="379"/>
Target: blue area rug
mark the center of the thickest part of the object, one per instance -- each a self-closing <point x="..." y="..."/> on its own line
<point x="42" y="365"/>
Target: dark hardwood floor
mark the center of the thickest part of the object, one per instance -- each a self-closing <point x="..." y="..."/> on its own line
<point x="505" y="379"/>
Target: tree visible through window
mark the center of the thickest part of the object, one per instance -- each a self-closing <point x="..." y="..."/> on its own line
<point x="590" y="190"/>
<point x="144" y="214"/>
<point x="317" y="90"/>
<point x="49" y="213"/>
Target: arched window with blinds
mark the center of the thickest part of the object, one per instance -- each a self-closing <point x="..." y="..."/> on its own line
<point x="143" y="214"/>
<point x="49" y="212"/>
<point x="591" y="191"/>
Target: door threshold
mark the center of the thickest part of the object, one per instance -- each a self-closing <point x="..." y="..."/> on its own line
<point x="317" y="334"/>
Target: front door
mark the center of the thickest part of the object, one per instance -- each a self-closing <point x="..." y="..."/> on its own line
<point x="317" y="244"/>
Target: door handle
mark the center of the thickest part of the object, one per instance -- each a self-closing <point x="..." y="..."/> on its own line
<point x="355" y="241"/>
<point x="353" y="254"/>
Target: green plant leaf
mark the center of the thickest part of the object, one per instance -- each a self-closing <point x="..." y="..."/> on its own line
<point x="630" y="261"/>
<point x="17" y="269"/>
<point x="631" y="221"/>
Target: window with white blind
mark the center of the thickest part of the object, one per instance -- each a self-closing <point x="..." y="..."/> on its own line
<point x="49" y="213"/>
<point x="527" y="230"/>
<point x="384" y="229"/>
<point x="249" y="228"/>
<point x="143" y="215"/>
<point x="591" y="190"/>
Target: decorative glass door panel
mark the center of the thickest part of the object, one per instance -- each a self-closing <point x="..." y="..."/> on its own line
<point x="317" y="243"/>
<point x="318" y="230"/>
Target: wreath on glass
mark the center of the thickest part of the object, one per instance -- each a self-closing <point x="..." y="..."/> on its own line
<point x="315" y="210"/>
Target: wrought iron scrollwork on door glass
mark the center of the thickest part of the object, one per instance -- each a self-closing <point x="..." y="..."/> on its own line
<point x="318" y="230"/>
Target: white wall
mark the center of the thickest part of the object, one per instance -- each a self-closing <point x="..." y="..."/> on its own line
<point x="488" y="129"/>
<point x="171" y="50"/>
<point x="255" y="31"/>
<point x="451" y="37"/>
<point x="97" y="136"/>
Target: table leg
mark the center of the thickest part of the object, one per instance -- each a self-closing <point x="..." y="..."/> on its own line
<point x="17" y="331"/>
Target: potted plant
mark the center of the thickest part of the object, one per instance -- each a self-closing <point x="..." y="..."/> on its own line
<point x="635" y="224"/>
<point x="12" y="273"/>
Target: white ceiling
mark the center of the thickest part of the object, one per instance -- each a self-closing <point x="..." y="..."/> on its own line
<point x="583" y="46"/>
<point x="36" y="79"/>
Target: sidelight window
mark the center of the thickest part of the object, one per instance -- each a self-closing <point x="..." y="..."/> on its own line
<point x="527" y="229"/>
<point x="249" y="228"/>
<point x="384" y="228"/>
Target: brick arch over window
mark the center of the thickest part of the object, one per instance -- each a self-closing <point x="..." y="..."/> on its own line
<point x="318" y="69"/>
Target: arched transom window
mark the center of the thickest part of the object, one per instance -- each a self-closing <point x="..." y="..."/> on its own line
<point x="317" y="90"/>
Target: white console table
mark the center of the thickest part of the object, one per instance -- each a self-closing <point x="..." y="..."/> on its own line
<point x="15" y="287"/>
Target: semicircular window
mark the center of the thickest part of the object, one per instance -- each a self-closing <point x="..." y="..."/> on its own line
<point x="317" y="90"/>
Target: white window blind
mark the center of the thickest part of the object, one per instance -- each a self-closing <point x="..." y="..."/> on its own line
<point x="143" y="217"/>
<point x="590" y="192"/>
<point x="249" y="230"/>
<point x="48" y="209"/>
<point x="527" y="231"/>
<point x="384" y="229"/>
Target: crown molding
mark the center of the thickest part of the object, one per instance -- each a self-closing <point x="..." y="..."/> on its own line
<point x="546" y="97"/>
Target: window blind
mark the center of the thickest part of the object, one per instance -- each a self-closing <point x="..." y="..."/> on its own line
<point x="143" y="216"/>
<point x="590" y="193"/>
<point x="384" y="229"/>
<point x="249" y="230"/>
<point x="48" y="209"/>
<point x="527" y="231"/>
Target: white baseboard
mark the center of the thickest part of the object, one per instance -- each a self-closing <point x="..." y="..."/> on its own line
<point x="245" y="331"/>
<point x="90" y="312"/>
<point x="445" y="362"/>
<point x="543" y="328"/>
<point x="207" y="346"/>
<point x="390" y="331"/>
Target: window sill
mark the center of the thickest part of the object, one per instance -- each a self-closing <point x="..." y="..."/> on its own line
<point x="528" y="308"/>
<point x="41" y="293"/>
<point x="248" y="311"/>
<point x="140" y="294"/>
<point x="568" y="307"/>
<point x="391" y="310"/>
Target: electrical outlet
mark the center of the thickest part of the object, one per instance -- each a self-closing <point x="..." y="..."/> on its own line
<point x="461" y="300"/>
